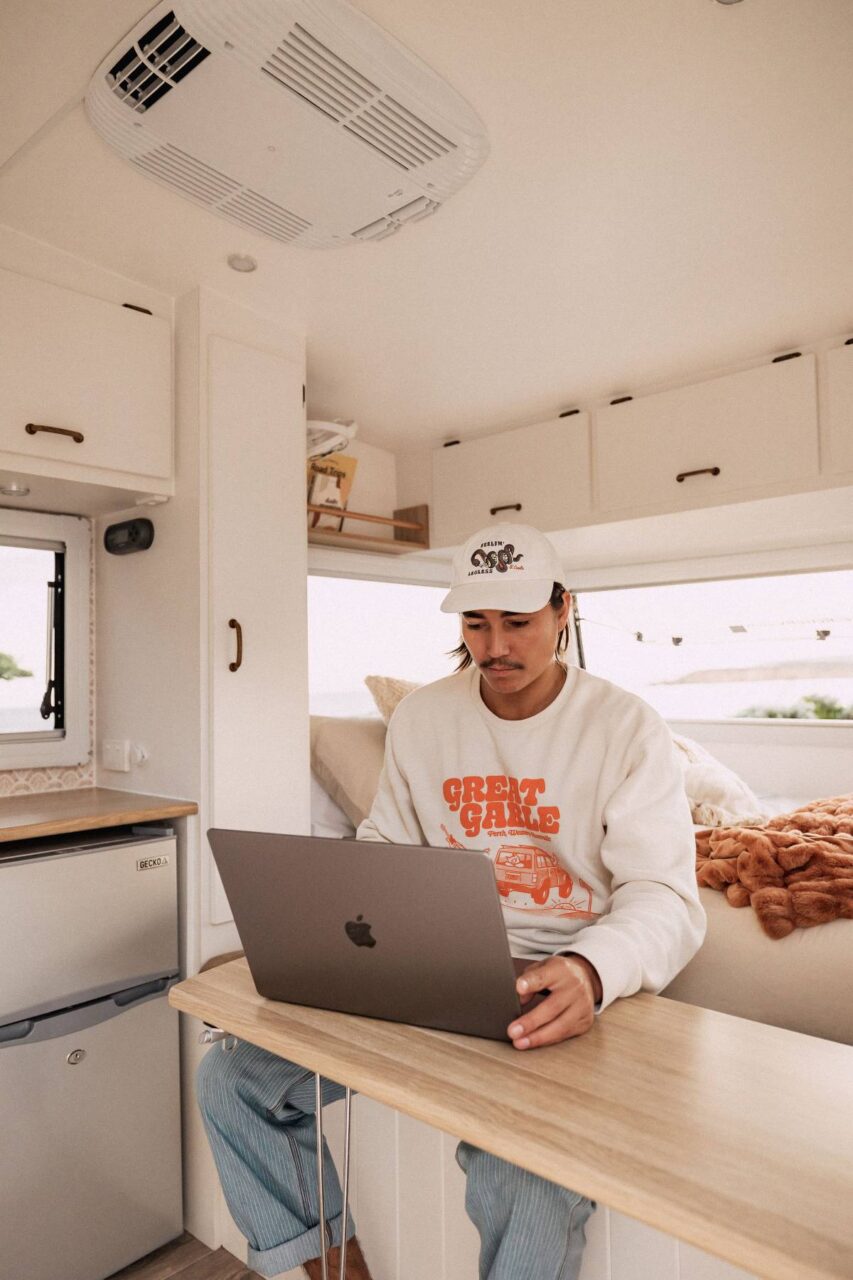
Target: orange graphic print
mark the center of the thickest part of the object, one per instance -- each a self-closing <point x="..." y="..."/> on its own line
<point x="495" y="803"/>
<point x="529" y="878"/>
<point x="452" y="842"/>
<point x="524" y="869"/>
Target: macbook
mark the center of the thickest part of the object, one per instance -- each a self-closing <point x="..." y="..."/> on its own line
<point x="403" y="932"/>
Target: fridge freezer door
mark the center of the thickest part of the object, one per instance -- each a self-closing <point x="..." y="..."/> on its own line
<point x="77" y="925"/>
<point x="90" y="1162"/>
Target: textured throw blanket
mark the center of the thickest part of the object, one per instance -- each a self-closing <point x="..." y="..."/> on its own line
<point x="795" y="870"/>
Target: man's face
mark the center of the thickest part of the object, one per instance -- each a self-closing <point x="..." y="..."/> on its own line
<point x="512" y="650"/>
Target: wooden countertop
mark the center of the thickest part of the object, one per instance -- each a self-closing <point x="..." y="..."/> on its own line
<point x="734" y="1136"/>
<point x="55" y="812"/>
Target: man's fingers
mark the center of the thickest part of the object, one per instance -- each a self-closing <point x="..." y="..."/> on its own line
<point x="546" y="1013"/>
<point x="574" y="1021"/>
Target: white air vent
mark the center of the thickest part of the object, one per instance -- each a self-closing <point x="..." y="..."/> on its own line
<point x="313" y="72"/>
<point x="299" y="118"/>
<point x="161" y="57"/>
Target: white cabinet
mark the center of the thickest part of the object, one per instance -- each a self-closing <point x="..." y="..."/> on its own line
<point x="537" y="475"/>
<point x="86" y="388"/>
<point x="698" y="445"/>
<point x="257" y="617"/>
<point x="839" y="409"/>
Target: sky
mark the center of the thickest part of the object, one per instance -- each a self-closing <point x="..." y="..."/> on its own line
<point x="24" y="574"/>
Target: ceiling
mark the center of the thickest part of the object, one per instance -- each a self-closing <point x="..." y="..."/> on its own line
<point x="669" y="192"/>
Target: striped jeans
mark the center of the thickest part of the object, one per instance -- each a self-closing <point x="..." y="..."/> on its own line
<point x="258" y="1110"/>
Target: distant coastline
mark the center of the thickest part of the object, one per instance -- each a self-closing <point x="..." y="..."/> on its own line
<point x="832" y="668"/>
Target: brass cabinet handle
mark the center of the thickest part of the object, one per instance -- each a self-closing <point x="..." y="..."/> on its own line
<point x="237" y="663"/>
<point x="511" y="506"/>
<point x="705" y="471"/>
<point x="32" y="427"/>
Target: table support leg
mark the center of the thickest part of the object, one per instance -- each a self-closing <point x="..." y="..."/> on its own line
<point x="318" y="1099"/>
<point x="347" y="1117"/>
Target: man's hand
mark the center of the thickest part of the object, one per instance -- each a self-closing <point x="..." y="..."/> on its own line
<point x="574" y="989"/>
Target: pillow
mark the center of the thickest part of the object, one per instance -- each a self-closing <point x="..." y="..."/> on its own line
<point x="717" y="796"/>
<point x="387" y="692"/>
<point x="327" y="817"/>
<point x="346" y="755"/>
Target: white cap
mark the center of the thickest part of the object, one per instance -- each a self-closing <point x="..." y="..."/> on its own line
<point x="511" y="567"/>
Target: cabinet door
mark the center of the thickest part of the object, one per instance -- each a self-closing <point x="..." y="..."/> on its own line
<point x="839" y="407"/>
<point x="258" y="569"/>
<point x="87" y="366"/>
<point x="758" y="428"/>
<point x="543" y="470"/>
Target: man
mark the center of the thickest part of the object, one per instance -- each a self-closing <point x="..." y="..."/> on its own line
<point x="573" y="786"/>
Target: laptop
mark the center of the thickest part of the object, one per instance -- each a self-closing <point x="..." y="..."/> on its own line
<point x="406" y="933"/>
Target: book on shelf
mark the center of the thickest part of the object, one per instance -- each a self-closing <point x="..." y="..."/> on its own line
<point x="329" y="485"/>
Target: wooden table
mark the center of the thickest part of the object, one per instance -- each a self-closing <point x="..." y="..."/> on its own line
<point x="53" y="813"/>
<point x="731" y="1135"/>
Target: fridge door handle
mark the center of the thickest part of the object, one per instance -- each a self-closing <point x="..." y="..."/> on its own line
<point x="132" y="994"/>
<point x="80" y="1017"/>
<point x="16" y="1031"/>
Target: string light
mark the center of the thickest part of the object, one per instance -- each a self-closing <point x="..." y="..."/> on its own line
<point x="745" y="636"/>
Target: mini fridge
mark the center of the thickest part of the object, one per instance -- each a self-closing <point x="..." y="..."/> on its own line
<point x="90" y="1154"/>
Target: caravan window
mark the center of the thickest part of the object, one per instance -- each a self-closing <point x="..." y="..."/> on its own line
<point x="777" y="648"/>
<point x="358" y="628"/>
<point x="44" y="640"/>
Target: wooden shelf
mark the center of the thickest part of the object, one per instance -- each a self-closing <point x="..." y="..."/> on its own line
<point x="410" y="526"/>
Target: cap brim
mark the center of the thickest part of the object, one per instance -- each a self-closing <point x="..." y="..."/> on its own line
<point x="509" y="597"/>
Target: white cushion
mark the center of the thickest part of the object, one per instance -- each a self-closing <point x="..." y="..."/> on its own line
<point x="803" y="982"/>
<point x="327" y="817"/>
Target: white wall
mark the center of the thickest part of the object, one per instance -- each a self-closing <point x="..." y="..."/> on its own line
<point x="374" y="489"/>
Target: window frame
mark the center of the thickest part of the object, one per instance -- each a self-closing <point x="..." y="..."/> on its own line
<point x="71" y="745"/>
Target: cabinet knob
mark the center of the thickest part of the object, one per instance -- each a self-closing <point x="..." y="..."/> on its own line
<point x="704" y="471"/>
<point x="33" y="427"/>
<point x="238" y="661"/>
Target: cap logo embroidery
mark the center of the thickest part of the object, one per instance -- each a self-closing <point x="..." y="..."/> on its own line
<point x="500" y="560"/>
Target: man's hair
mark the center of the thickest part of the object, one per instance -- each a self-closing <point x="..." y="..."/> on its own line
<point x="464" y="659"/>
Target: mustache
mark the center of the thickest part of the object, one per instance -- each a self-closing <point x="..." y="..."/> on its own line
<point x="496" y="662"/>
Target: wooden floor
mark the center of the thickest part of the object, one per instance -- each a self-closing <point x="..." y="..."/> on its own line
<point x="187" y="1259"/>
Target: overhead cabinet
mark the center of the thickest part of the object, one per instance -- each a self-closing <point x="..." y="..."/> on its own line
<point x="695" y="446"/>
<point x="86" y="388"/>
<point x="537" y="475"/>
<point x="839" y="409"/>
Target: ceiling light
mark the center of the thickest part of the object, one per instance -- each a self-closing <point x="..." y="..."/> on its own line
<point x="242" y="262"/>
<point x="14" y="490"/>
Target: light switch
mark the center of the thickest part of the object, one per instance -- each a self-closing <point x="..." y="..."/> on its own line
<point x="115" y="754"/>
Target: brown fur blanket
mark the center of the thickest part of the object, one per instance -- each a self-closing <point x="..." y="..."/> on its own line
<point x="795" y="870"/>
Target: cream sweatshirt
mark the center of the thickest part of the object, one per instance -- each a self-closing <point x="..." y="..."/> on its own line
<point x="582" y="809"/>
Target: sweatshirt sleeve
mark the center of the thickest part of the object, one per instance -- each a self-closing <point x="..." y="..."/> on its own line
<point x="655" y="923"/>
<point x="392" y="816"/>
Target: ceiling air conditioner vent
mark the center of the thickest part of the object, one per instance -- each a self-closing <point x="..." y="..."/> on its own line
<point x="306" y="67"/>
<point x="306" y="119"/>
<point x="383" y="227"/>
<point x="255" y="211"/>
<point x="195" y="179"/>
<point x="151" y="67"/>
<point x="397" y="134"/>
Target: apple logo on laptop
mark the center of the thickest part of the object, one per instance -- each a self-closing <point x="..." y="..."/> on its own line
<point x="358" y="931"/>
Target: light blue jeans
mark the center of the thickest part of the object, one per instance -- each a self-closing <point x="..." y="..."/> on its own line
<point x="258" y="1110"/>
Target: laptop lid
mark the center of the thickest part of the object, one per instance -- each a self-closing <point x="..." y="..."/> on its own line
<point x="408" y="933"/>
